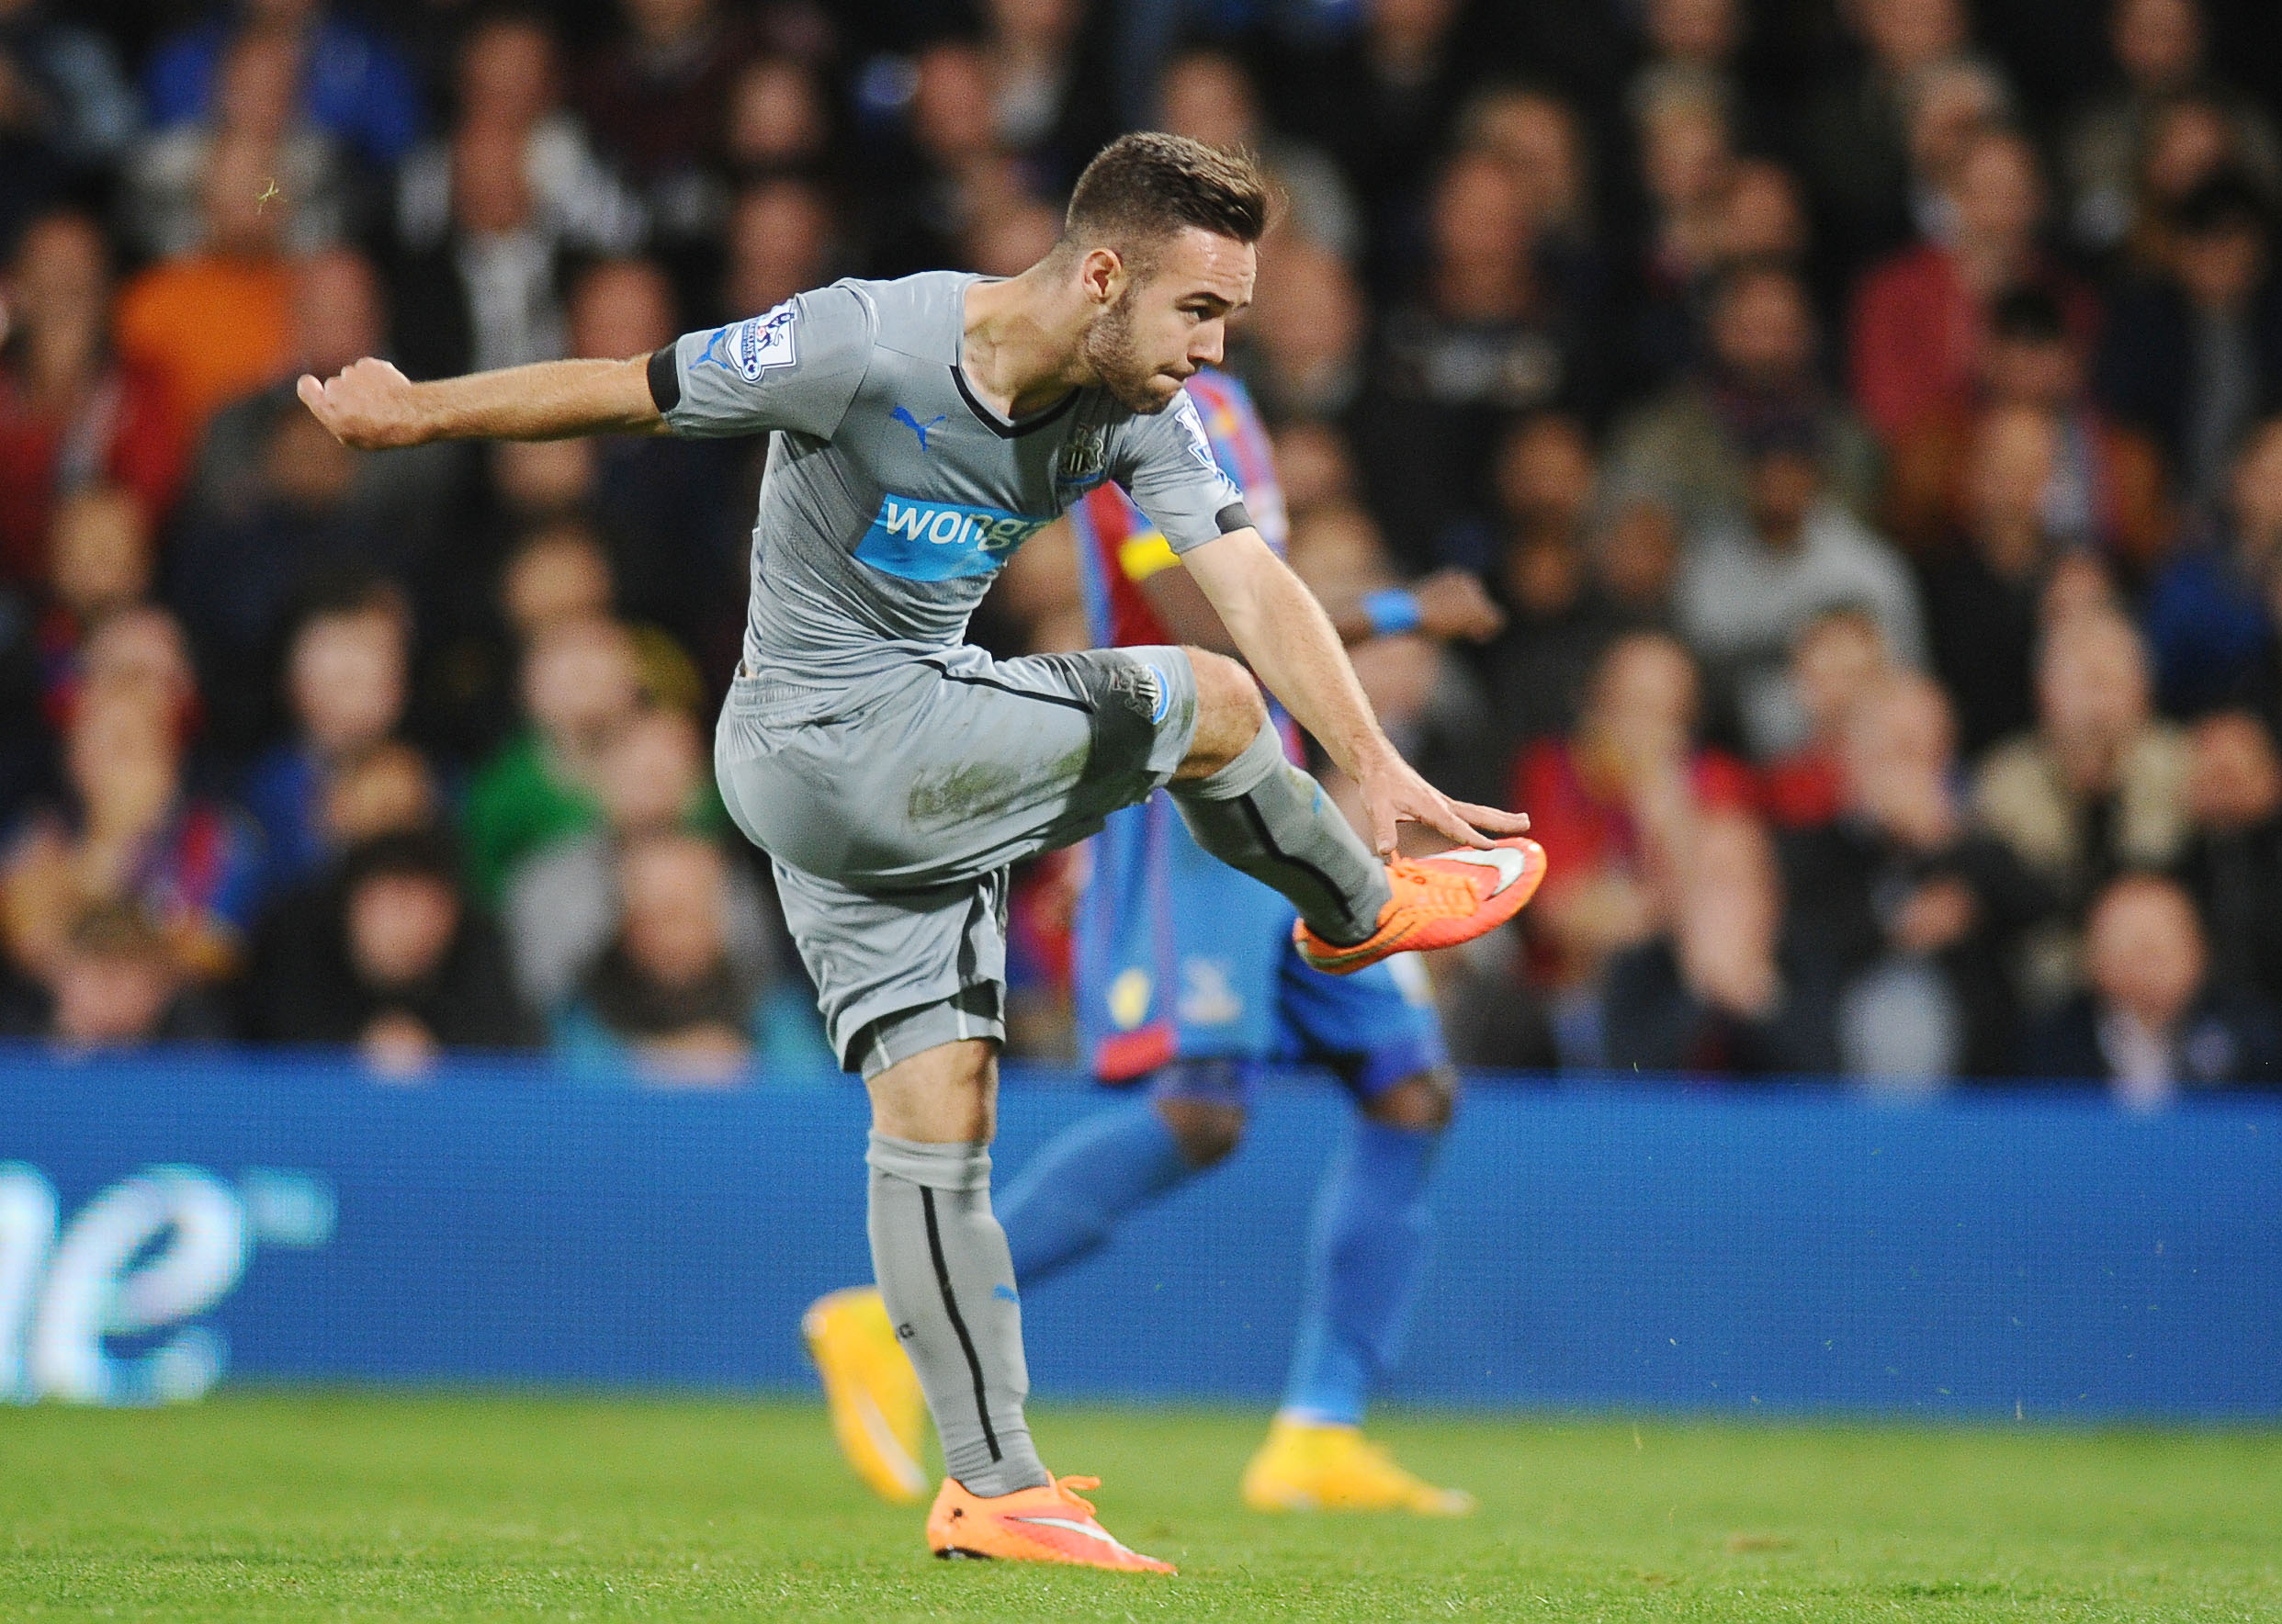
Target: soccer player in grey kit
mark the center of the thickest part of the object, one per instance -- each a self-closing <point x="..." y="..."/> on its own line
<point x="923" y="429"/>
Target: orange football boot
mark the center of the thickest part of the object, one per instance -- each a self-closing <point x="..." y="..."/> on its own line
<point x="1047" y="1524"/>
<point x="1438" y="901"/>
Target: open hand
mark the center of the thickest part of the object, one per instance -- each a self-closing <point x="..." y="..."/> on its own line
<point x="1395" y="795"/>
<point x="1453" y="606"/>
<point x="369" y="404"/>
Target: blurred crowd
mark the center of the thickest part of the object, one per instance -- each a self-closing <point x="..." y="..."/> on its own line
<point x="1865" y="414"/>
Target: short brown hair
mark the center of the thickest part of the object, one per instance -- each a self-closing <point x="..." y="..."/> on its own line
<point x="1145" y="187"/>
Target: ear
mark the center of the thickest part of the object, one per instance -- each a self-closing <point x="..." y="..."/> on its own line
<point x="1101" y="272"/>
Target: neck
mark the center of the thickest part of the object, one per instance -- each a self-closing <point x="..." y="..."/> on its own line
<point x="1023" y="341"/>
<point x="676" y="977"/>
<point x="1405" y="58"/>
<point x="2089" y="762"/>
<point x="2219" y="304"/>
<point x="1029" y="52"/>
<point x="128" y="819"/>
<point x="1783" y="536"/>
<point x="61" y="357"/>
<point x="2157" y="1020"/>
<point x="1764" y="382"/>
<point x="1989" y="264"/>
<point x="672" y="41"/>
<point x="1481" y="290"/>
<point x="2012" y="546"/>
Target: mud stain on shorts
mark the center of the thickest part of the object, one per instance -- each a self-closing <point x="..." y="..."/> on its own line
<point x="975" y="792"/>
<point x="971" y="790"/>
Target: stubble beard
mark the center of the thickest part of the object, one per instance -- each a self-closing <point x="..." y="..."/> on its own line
<point x="1111" y="353"/>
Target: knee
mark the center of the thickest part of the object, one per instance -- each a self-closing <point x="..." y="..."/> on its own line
<point x="943" y="1095"/>
<point x="1206" y="1131"/>
<point x="1229" y="712"/>
<point x="1422" y="1103"/>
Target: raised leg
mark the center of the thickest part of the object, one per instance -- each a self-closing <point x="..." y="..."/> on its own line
<point x="1251" y="808"/>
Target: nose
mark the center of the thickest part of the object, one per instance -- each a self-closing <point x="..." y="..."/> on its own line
<point x="1210" y="344"/>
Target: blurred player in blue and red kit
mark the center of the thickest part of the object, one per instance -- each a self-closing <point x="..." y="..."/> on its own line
<point x="1189" y="987"/>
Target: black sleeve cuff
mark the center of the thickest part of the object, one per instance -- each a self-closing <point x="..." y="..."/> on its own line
<point x="1234" y="516"/>
<point x="665" y="381"/>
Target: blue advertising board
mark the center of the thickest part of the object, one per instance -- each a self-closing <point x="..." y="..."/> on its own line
<point x="166" y="1222"/>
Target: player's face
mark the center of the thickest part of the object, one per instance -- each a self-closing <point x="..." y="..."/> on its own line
<point x="1160" y="329"/>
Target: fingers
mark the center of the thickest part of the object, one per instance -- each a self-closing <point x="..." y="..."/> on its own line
<point x="1441" y="816"/>
<point x="1385" y="821"/>
<point x="1494" y="819"/>
<point x="321" y="406"/>
<point x="1464" y="822"/>
<point x="1465" y="833"/>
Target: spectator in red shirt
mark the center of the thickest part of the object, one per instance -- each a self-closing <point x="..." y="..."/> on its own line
<point x="1613" y="803"/>
<point x="1837" y="658"/>
<point x="72" y="414"/>
<point x="1921" y="319"/>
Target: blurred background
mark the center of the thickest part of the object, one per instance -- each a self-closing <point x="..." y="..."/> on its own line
<point x="1863" y="410"/>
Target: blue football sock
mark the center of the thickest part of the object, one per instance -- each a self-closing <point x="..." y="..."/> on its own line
<point x="1367" y="1254"/>
<point x="1071" y="1195"/>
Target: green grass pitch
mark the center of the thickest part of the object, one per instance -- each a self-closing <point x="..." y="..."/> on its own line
<point x="365" y="1506"/>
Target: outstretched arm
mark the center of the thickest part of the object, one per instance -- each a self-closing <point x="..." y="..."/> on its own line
<point x="1448" y="605"/>
<point x="1290" y="642"/>
<point x="372" y="406"/>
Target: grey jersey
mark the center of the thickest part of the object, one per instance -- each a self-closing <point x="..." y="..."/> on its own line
<point x="893" y="495"/>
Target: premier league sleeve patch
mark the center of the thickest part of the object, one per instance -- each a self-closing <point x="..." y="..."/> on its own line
<point x="751" y="346"/>
<point x="794" y="368"/>
<point x="1199" y="443"/>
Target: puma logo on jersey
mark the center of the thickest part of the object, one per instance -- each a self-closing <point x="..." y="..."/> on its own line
<point x="902" y="415"/>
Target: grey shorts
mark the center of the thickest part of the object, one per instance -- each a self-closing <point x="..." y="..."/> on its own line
<point x="891" y="810"/>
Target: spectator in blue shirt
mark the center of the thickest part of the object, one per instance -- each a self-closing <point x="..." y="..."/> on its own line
<point x="355" y="83"/>
<point x="2210" y="617"/>
<point x="345" y="681"/>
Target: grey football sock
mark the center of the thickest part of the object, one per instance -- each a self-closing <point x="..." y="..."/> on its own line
<point x="940" y="1261"/>
<point x="1265" y="817"/>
